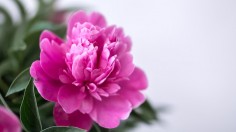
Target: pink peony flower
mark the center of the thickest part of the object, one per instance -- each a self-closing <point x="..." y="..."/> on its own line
<point x="8" y="121"/>
<point x="91" y="75"/>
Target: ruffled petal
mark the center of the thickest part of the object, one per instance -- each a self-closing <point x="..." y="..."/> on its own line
<point x="128" y="42"/>
<point x="111" y="88"/>
<point x="76" y="119"/>
<point x="130" y="88"/>
<point x="97" y="19"/>
<point x="126" y="65"/>
<point x="54" y="51"/>
<point x="37" y="72"/>
<point x="50" y="36"/>
<point x="70" y="98"/>
<point x="78" y="67"/>
<point x="134" y="96"/>
<point x="51" y="58"/>
<point x="80" y="17"/>
<point x="46" y="87"/>
<point x="108" y="112"/>
<point x="86" y="105"/>
<point x="137" y="80"/>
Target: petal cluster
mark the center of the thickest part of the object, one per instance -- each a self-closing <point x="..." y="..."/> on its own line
<point x="8" y="121"/>
<point x="91" y="75"/>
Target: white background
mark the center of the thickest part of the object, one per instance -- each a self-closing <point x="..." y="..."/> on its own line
<point x="187" y="49"/>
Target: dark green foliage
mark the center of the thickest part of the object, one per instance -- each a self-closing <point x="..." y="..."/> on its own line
<point x="29" y="113"/>
<point x="19" y="83"/>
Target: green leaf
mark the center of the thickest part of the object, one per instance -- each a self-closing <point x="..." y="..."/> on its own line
<point x="29" y="113"/>
<point x="39" y="26"/>
<point x="145" y="112"/>
<point x="62" y="129"/>
<point x="3" y="102"/>
<point x="20" y="82"/>
<point x="34" y="31"/>
<point x="45" y="112"/>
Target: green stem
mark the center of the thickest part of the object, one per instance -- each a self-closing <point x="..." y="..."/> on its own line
<point x="3" y="101"/>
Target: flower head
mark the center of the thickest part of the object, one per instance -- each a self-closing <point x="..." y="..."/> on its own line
<point x="91" y="75"/>
<point x="8" y="121"/>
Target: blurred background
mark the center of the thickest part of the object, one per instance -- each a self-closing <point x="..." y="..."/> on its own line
<point x="188" y="51"/>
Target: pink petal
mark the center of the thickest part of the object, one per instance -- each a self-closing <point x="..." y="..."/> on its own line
<point x="50" y="36"/>
<point x="109" y="30"/>
<point x="46" y="87"/>
<point x="96" y="95"/>
<point x="126" y="65"/>
<point x="104" y="58"/>
<point x="70" y="98"/>
<point x="138" y="80"/>
<point x="9" y="121"/>
<point x="49" y="66"/>
<point x="103" y="76"/>
<point x="128" y="42"/>
<point x="76" y="119"/>
<point x="97" y="19"/>
<point x="51" y="58"/>
<point x="116" y="69"/>
<point x="111" y="88"/>
<point x="102" y="92"/>
<point x="37" y="72"/>
<point x="80" y="17"/>
<point x="78" y="67"/>
<point x="86" y="105"/>
<point x="108" y="112"/>
<point x="130" y="88"/>
<point x="116" y="36"/>
<point x="53" y="50"/>
<point x="134" y="96"/>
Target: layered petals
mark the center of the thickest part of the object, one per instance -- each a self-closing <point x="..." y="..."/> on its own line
<point x="50" y="36"/>
<point x="110" y="111"/>
<point x="127" y="66"/>
<point x="135" y="97"/>
<point x="52" y="58"/>
<point x="81" y="17"/>
<point x="46" y="86"/>
<point x="131" y="91"/>
<point x="70" y="98"/>
<point x="137" y="80"/>
<point x="97" y="19"/>
<point x="91" y="75"/>
<point x="76" y="119"/>
<point x="86" y="105"/>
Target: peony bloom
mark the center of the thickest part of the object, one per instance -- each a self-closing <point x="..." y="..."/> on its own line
<point x="8" y="121"/>
<point x="90" y="76"/>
